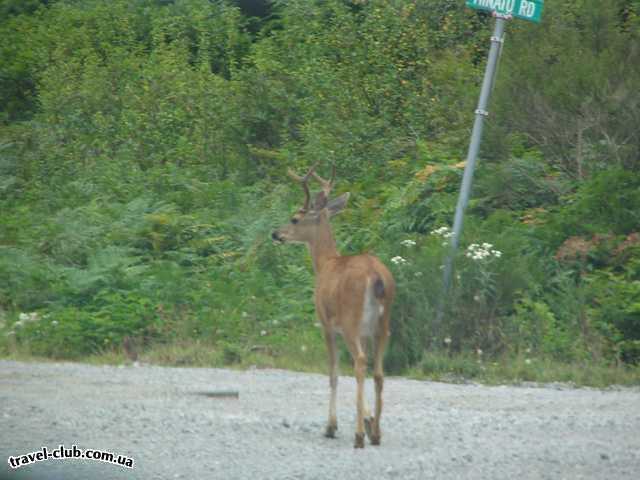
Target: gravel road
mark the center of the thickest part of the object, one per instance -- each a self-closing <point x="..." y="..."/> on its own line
<point x="164" y="420"/>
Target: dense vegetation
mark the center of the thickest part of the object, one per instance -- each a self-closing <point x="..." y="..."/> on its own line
<point x="144" y="146"/>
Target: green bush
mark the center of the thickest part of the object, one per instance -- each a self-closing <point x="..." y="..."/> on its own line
<point x="143" y="155"/>
<point x="72" y="332"/>
<point x="616" y="309"/>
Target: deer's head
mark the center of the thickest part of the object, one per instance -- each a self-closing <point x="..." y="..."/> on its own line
<point x="305" y="224"/>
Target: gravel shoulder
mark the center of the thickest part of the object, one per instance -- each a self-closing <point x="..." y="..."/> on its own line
<point x="164" y="419"/>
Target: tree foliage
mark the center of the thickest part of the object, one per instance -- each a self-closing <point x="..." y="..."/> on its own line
<point x="144" y="145"/>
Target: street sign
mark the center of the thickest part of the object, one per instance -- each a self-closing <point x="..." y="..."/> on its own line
<point x="530" y="10"/>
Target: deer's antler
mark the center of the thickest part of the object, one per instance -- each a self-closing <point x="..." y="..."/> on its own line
<point x="326" y="185"/>
<point x="305" y="184"/>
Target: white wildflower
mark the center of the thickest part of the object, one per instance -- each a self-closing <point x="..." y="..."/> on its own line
<point x="263" y="333"/>
<point x="417" y="274"/>
<point x="54" y="322"/>
<point x="444" y="232"/>
<point x="27" y="318"/>
<point x="303" y="348"/>
<point x="447" y="340"/>
<point x="408" y="243"/>
<point x="398" y="260"/>
<point x="479" y="351"/>
<point x="527" y="361"/>
<point x="480" y="252"/>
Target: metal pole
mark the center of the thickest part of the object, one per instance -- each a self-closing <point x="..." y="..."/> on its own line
<point x="474" y="147"/>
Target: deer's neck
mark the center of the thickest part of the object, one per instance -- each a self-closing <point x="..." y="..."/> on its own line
<point x="323" y="248"/>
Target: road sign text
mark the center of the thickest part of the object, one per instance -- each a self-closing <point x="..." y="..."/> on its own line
<point x="525" y="9"/>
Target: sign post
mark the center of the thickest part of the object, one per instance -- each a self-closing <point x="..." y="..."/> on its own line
<point x="502" y="10"/>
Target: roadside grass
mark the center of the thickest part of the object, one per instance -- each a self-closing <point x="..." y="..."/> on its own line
<point x="461" y="368"/>
<point x="305" y="354"/>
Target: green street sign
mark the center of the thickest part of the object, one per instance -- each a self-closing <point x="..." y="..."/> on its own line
<point x="530" y="10"/>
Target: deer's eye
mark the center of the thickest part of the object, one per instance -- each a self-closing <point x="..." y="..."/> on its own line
<point x="294" y="220"/>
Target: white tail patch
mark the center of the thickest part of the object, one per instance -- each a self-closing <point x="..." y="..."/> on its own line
<point x="372" y="310"/>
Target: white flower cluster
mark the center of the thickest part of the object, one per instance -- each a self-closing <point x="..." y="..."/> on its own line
<point x="398" y="260"/>
<point x="408" y="243"/>
<point x="25" y="318"/>
<point x="480" y="252"/>
<point x="444" y="232"/>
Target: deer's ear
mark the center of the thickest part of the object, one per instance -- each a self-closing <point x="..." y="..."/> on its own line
<point x="337" y="204"/>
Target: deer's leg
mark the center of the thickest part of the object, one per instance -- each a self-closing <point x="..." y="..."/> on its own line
<point x="380" y="342"/>
<point x="332" y="425"/>
<point x="360" y="367"/>
<point x="368" y="419"/>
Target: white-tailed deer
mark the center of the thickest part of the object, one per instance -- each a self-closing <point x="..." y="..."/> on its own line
<point x="353" y="296"/>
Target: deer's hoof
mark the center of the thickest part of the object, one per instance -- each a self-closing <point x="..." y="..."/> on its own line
<point x="330" y="432"/>
<point x="375" y="439"/>
<point x="359" y="441"/>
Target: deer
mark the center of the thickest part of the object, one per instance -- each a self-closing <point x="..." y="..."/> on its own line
<point x="353" y="297"/>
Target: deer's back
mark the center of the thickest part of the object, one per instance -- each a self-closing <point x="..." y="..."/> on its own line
<point x="347" y="284"/>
